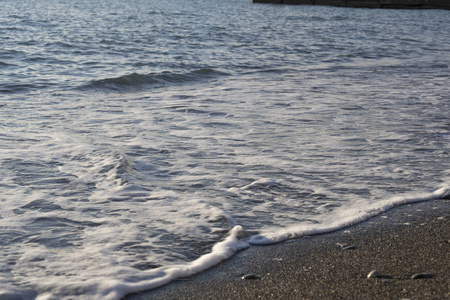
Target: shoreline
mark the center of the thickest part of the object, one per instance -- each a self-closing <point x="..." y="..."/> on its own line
<point x="406" y="240"/>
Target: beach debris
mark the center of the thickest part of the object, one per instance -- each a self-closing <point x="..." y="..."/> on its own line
<point x="250" y="277"/>
<point x="422" y="276"/>
<point x="374" y="274"/>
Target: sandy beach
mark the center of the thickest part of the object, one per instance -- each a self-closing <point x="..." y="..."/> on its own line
<point x="408" y="241"/>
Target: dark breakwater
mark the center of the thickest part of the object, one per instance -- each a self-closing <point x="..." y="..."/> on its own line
<point x="404" y="4"/>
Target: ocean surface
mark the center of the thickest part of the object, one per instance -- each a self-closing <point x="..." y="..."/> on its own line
<point x="145" y="140"/>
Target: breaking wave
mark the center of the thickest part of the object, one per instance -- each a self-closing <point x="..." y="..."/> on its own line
<point x="135" y="81"/>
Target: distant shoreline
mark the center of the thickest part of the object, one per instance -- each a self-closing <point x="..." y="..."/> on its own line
<point x="405" y="241"/>
<point x="393" y="4"/>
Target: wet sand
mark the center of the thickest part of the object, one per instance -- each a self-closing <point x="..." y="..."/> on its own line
<point x="404" y="241"/>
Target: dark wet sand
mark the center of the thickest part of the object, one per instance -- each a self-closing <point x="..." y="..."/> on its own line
<point x="404" y="241"/>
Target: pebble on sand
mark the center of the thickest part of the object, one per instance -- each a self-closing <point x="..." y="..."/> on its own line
<point x="346" y="247"/>
<point x="349" y="247"/>
<point x="374" y="274"/>
<point x="250" y="277"/>
<point x="422" y="276"/>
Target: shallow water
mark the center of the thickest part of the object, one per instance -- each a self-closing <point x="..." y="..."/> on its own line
<point x="136" y="135"/>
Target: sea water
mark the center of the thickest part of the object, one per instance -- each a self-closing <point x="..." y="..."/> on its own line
<point x="146" y="140"/>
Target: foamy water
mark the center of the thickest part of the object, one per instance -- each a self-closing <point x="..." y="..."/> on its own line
<point x="146" y="141"/>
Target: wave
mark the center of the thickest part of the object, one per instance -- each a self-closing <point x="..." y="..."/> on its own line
<point x="237" y="239"/>
<point x="20" y="88"/>
<point x="3" y="64"/>
<point x="345" y="217"/>
<point x="136" y="81"/>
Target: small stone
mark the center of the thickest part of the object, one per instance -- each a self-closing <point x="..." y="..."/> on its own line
<point x="250" y="277"/>
<point x="422" y="276"/>
<point x="374" y="274"/>
<point x="349" y="247"/>
<point x="345" y="247"/>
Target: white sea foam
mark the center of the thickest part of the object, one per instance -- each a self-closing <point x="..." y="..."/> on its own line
<point x="128" y="281"/>
<point x="342" y="217"/>
<point x="229" y="133"/>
